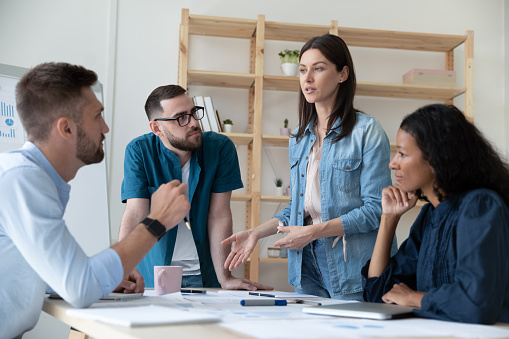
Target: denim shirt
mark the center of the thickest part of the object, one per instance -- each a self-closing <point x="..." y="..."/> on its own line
<point x="352" y="173"/>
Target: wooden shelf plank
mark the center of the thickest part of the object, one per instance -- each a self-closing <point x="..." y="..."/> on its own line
<point x="293" y="32"/>
<point x="388" y="90"/>
<point x="220" y="79"/>
<point x="221" y="27"/>
<point x="281" y="83"/>
<point x="275" y="140"/>
<point x="241" y="197"/>
<point x="400" y="40"/>
<point x="240" y="138"/>
<point x="275" y="198"/>
<point x="364" y="88"/>
<point x="245" y="29"/>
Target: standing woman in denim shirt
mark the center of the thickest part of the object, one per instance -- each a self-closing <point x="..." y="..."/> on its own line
<point x="338" y="162"/>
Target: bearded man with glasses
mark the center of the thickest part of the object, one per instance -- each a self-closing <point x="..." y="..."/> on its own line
<point x="206" y="161"/>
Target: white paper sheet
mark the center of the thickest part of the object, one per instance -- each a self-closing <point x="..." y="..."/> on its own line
<point x="142" y="315"/>
<point x="360" y="328"/>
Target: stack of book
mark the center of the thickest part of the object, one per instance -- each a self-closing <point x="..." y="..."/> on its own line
<point x="210" y="121"/>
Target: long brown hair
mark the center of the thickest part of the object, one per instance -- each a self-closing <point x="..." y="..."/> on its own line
<point x="335" y="50"/>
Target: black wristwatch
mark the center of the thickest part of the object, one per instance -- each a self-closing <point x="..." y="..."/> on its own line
<point x="155" y="227"/>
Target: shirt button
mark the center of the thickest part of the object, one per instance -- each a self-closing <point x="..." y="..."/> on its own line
<point x="429" y="267"/>
<point x="299" y="213"/>
<point x="191" y="219"/>
<point x="307" y="158"/>
<point x="302" y="175"/>
<point x="427" y="287"/>
<point x="301" y="194"/>
<point x="298" y="252"/>
<point x="347" y="167"/>
<point x="197" y="242"/>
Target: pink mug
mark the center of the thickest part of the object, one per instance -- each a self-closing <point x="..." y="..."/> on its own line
<point x="167" y="279"/>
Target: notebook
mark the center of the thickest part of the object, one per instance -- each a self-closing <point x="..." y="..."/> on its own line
<point x="366" y="310"/>
<point x="111" y="296"/>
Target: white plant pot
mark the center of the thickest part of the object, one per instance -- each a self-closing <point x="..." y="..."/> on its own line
<point x="227" y="128"/>
<point x="279" y="191"/>
<point x="290" y="69"/>
<point x="284" y="131"/>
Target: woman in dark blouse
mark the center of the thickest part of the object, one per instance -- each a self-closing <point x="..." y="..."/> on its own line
<point x="455" y="263"/>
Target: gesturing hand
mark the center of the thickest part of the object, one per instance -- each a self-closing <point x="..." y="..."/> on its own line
<point x="245" y="242"/>
<point x="396" y="202"/>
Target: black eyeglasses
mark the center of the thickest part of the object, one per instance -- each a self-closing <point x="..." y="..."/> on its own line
<point x="184" y="119"/>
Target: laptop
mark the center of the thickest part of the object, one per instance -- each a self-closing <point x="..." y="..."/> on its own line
<point x="377" y="311"/>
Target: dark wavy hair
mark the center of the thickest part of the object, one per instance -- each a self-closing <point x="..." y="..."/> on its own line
<point x="460" y="156"/>
<point x="335" y="50"/>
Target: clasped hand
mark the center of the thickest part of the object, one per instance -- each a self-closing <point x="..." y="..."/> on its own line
<point x="396" y="202"/>
<point x="297" y="238"/>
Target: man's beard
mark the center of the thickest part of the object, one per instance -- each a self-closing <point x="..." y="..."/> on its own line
<point x="86" y="150"/>
<point x="185" y="144"/>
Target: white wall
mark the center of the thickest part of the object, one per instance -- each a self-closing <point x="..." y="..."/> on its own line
<point x="134" y="49"/>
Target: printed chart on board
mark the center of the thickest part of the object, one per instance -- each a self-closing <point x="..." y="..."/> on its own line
<point x="12" y="135"/>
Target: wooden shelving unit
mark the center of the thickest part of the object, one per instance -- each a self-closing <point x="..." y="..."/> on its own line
<point x="257" y="32"/>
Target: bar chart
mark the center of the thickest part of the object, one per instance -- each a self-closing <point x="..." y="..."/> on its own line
<point x="9" y="123"/>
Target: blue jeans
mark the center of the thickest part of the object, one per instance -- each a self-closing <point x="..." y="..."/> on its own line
<point x="192" y="281"/>
<point x="315" y="278"/>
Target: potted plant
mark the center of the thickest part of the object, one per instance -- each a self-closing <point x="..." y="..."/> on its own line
<point x="279" y="186"/>
<point x="289" y="62"/>
<point x="285" y="130"/>
<point x="227" y="126"/>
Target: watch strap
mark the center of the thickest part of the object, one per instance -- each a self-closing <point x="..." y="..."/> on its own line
<point x="154" y="227"/>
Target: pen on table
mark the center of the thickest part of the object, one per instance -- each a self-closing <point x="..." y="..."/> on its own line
<point x="187" y="223"/>
<point x="309" y="302"/>
<point x="263" y="302"/>
<point x="259" y="294"/>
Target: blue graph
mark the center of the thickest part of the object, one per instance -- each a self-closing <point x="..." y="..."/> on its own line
<point x="10" y="134"/>
<point x="6" y="110"/>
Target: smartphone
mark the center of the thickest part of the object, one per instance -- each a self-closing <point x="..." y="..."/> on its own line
<point x="191" y="291"/>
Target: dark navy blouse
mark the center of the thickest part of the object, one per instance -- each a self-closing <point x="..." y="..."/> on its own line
<point x="458" y="253"/>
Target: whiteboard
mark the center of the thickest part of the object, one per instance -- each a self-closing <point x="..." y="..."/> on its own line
<point x="87" y="213"/>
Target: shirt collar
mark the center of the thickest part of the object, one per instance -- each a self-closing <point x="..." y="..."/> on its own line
<point x="311" y="129"/>
<point x="63" y="187"/>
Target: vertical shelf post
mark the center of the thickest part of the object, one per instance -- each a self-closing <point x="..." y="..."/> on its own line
<point x="257" y="140"/>
<point x="449" y="66"/>
<point x="469" y="76"/>
<point x="183" y="49"/>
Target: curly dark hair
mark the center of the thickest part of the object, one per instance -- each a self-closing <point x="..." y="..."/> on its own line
<point x="459" y="154"/>
<point x="336" y="51"/>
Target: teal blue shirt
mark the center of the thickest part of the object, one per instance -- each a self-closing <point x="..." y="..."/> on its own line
<point x="214" y="168"/>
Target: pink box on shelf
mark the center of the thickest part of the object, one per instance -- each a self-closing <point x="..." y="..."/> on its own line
<point x="430" y="77"/>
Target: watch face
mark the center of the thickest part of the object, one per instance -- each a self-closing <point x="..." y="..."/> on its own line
<point x="155" y="227"/>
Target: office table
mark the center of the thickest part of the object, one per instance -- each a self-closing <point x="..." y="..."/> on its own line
<point x="98" y="330"/>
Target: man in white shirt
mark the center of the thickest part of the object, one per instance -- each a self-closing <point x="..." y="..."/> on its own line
<point x="65" y="127"/>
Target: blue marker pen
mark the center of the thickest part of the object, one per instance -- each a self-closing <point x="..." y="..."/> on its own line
<point x="263" y="302"/>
